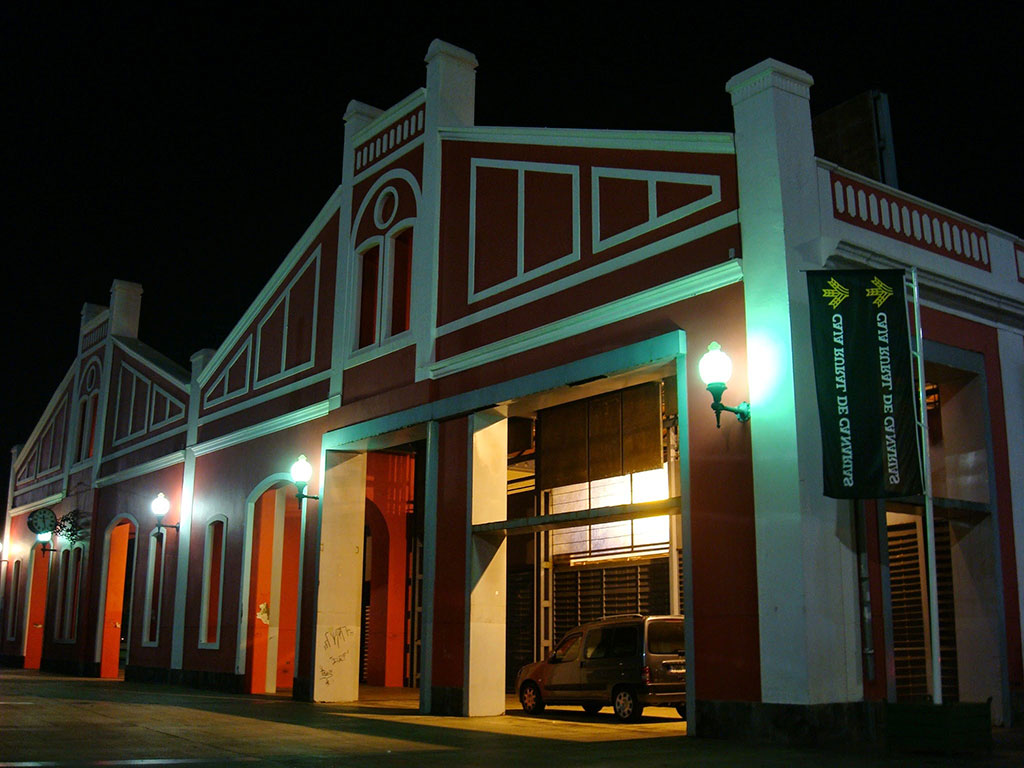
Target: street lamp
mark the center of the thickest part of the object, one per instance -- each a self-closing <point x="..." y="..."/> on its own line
<point x="161" y="506"/>
<point x="45" y="538"/>
<point x="302" y="471"/>
<point x="715" y="368"/>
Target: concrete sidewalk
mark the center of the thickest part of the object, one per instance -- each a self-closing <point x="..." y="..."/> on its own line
<point x="49" y="720"/>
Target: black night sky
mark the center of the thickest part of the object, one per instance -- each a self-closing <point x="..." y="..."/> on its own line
<point x="188" y="149"/>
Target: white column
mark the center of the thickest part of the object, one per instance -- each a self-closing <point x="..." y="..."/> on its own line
<point x="340" y="593"/>
<point x="806" y="556"/>
<point x="451" y="99"/>
<point x="485" y="646"/>
<point x="1011" y="363"/>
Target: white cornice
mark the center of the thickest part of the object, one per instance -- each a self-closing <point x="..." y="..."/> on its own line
<point x="301" y="416"/>
<point x="145" y="468"/>
<point x="271" y="285"/>
<point x="769" y="74"/>
<point x="942" y="291"/>
<point x="673" y="141"/>
<point x="705" y="281"/>
<point x="54" y="499"/>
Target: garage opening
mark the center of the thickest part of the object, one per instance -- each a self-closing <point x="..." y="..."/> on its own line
<point x="592" y="485"/>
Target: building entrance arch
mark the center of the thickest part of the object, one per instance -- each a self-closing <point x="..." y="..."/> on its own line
<point x="116" y="589"/>
<point x="39" y="578"/>
<point x="270" y="587"/>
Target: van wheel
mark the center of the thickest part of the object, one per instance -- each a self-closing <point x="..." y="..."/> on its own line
<point x="592" y="707"/>
<point x="529" y="697"/>
<point x="627" y="708"/>
<point x="681" y="709"/>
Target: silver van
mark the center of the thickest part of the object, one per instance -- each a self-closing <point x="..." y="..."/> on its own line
<point x="627" y="662"/>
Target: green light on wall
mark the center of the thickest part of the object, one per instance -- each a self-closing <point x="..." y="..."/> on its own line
<point x="715" y="369"/>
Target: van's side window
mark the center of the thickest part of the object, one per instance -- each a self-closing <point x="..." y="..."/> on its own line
<point x="612" y="642"/>
<point x="568" y="649"/>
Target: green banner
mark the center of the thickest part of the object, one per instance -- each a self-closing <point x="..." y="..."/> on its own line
<point x="865" y="383"/>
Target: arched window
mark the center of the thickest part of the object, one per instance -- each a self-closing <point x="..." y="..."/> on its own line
<point x="88" y="407"/>
<point x="213" y="583"/>
<point x="154" y="589"/>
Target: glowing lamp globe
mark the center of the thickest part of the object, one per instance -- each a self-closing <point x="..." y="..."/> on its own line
<point x="715" y="367"/>
<point x="302" y="470"/>
<point x="160" y="506"/>
<point x="44" y="537"/>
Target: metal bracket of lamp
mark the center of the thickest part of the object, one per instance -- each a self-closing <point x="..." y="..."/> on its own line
<point x="715" y="368"/>
<point x="160" y="506"/>
<point x="301" y="472"/>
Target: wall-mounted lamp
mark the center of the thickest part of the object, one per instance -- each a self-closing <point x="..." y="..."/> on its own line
<point x="302" y="470"/>
<point x="45" y="538"/>
<point x="715" y="368"/>
<point x="161" y="506"/>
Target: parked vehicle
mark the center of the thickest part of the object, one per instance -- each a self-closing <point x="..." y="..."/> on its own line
<point x="627" y="662"/>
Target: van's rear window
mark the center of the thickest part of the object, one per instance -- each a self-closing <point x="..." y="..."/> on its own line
<point x="665" y="637"/>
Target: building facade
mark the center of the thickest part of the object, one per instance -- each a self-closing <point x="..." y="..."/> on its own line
<point x="486" y="343"/>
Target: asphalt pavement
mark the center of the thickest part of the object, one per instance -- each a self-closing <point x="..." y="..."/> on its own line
<point x="51" y="720"/>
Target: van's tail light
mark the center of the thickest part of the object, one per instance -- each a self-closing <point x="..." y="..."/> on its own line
<point x="645" y="674"/>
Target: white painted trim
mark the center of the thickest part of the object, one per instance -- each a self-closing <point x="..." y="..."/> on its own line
<point x="153" y="423"/>
<point x="415" y="99"/>
<point x="221" y="382"/>
<point x="132" y="433"/>
<point x="705" y="281"/>
<point x="204" y="615"/>
<point x="672" y="141"/>
<point x="522" y="274"/>
<point x="265" y="397"/>
<point x="47" y="412"/>
<point x="301" y="416"/>
<point x="680" y="238"/>
<point x="377" y="165"/>
<point x="1000" y="306"/>
<point x="312" y="232"/>
<point x="658" y="349"/>
<point x="183" y="385"/>
<point x="144" y="443"/>
<point x="34" y="505"/>
<point x="154" y="465"/>
<point x="899" y="193"/>
<point x="285" y="297"/>
<point x="654" y="221"/>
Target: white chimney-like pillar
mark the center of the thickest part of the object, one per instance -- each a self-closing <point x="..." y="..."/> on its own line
<point x="806" y="550"/>
<point x="125" y="305"/>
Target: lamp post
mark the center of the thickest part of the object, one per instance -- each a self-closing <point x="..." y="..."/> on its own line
<point x="160" y="507"/>
<point x="715" y="368"/>
<point x="302" y="471"/>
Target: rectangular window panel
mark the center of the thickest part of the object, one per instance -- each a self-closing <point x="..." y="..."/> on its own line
<point x="368" y="297"/>
<point x="154" y="587"/>
<point x="71" y="612"/>
<point x="213" y="583"/>
<point x="59" y="631"/>
<point x="401" y="283"/>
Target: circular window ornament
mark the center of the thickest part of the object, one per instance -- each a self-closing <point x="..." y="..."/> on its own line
<point x="386" y="207"/>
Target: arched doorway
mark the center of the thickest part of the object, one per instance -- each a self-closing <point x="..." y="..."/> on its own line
<point x="117" y="600"/>
<point x="273" y="598"/>
<point x="38" y="582"/>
